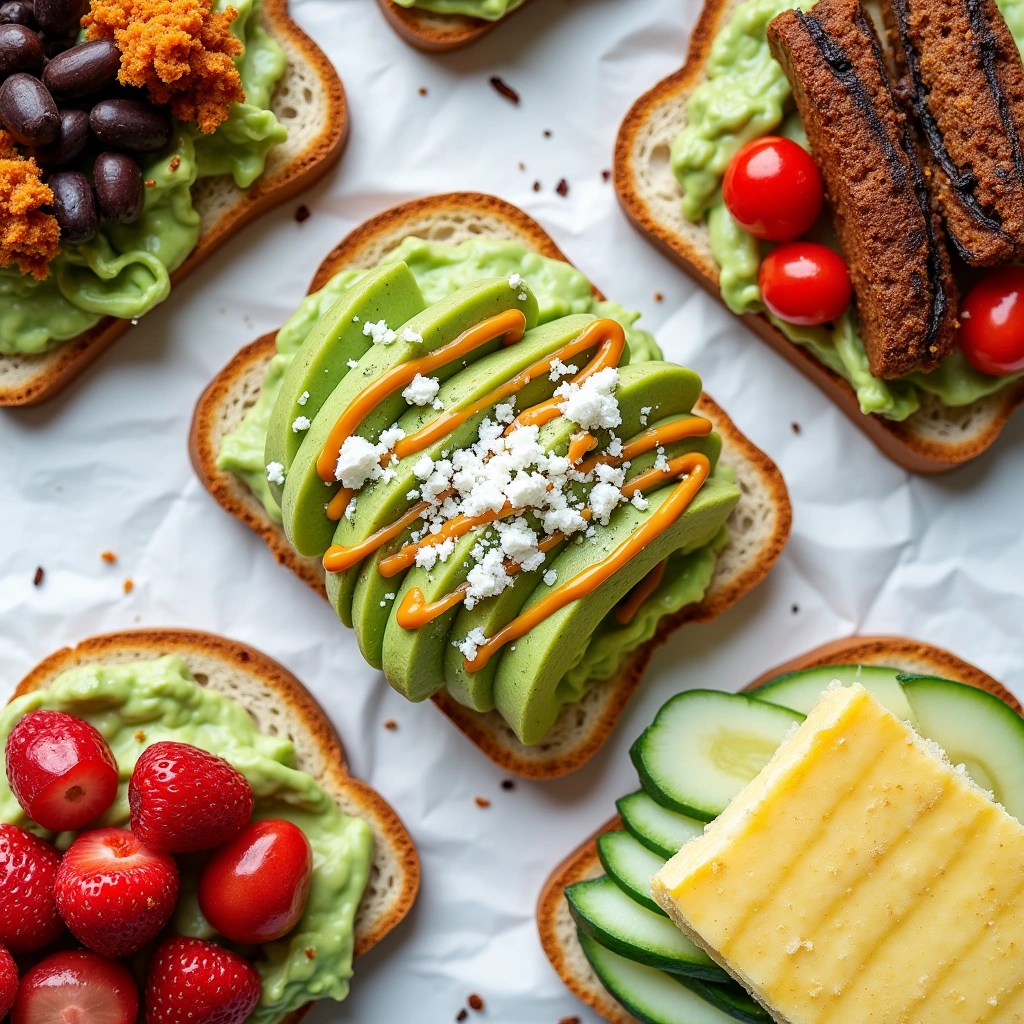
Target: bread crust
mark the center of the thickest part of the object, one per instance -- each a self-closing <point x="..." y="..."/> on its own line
<point x="436" y="33"/>
<point x="364" y="247"/>
<point x="558" y="933"/>
<point x="293" y="698"/>
<point x="64" y="363"/>
<point x="935" y="439"/>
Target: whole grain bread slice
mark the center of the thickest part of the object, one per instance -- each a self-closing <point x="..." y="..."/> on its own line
<point x="310" y="101"/>
<point x="281" y="706"/>
<point x="557" y="928"/>
<point x="936" y="438"/>
<point x="435" y="33"/>
<point x="759" y="525"/>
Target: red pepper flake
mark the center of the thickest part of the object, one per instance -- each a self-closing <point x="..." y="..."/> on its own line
<point x="562" y="188"/>
<point x="175" y="163"/>
<point x="310" y="953"/>
<point x="302" y="213"/>
<point x="569" y="1020"/>
<point x="796" y="427"/>
<point x="536" y="186"/>
<point x="37" y="580"/>
<point x="150" y="183"/>
<point x="507" y="784"/>
<point x="482" y="801"/>
<point x="503" y="89"/>
<point x="129" y="586"/>
<point x="109" y="557"/>
<point x="658" y="297"/>
<point x="462" y="1014"/>
<point x="423" y="90"/>
<point x="475" y="1002"/>
<point x="391" y="724"/>
<point x="606" y="175"/>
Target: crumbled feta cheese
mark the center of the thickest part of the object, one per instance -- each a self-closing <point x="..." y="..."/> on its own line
<point x="661" y="462"/>
<point x="559" y="369"/>
<point x="515" y="281"/>
<point x="469" y="647"/>
<point x="300" y="423"/>
<point x="422" y="390"/>
<point x="304" y="398"/>
<point x="640" y="502"/>
<point x="551" y="577"/>
<point x="352" y="363"/>
<point x="414" y="337"/>
<point x="275" y="472"/>
<point x="390" y="437"/>
<point x="592" y="403"/>
<point x="644" y="413"/>
<point x="604" y="499"/>
<point x="350" y="510"/>
<point x="505" y="413"/>
<point x="355" y="319"/>
<point x="487" y="578"/>
<point x="379" y="332"/>
<point x="427" y="557"/>
<point x="358" y="461"/>
<point x="423" y="468"/>
<point x="606" y="474"/>
<point x="522" y="296"/>
<point x="412" y="495"/>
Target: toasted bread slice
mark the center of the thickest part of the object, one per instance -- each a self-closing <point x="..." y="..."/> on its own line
<point x="557" y="928"/>
<point x="759" y="524"/>
<point x="281" y="705"/>
<point x="310" y="101"/>
<point x="936" y="438"/>
<point x="435" y="33"/>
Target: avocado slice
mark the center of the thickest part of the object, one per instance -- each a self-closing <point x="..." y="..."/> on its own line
<point x="305" y="495"/>
<point x="388" y="293"/>
<point x="526" y="684"/>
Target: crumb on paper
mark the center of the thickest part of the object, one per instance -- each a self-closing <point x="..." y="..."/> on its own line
<point x="547" y="133"/>
<point x="502" y="88"/>
<point x="181" y="51"/>
<point x="508" y="784"/>
<point x="29" y="236"/>
<point x="795" y="427"/>
<point x="482" y="801"/>
<point x="423" y="90"/>
<point x="562" y="188"/>
<point x="658" y="297"/>
<point x="795" y="609"/>
<point x="536" y="186"/>
<point x="129" y="585"/>
<point x="302" y="213"/>
<point x="37" y="580"/>
<point x="391" y="725"/>
<point x="606" y="175"/>
<point x="109" y="557"/>
<point x="475" y="1002"/>
<point x="462" y="1014"/>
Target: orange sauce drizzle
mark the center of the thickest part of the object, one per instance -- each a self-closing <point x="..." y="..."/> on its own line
<point x="696" y="468"/>
<point x="630" y="604"/>
<point x="579" y="446"/>
<point x="678" y="430"/>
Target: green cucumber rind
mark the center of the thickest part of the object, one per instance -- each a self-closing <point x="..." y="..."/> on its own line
<point x="606" y="855"/>
<point x="730" y="998"/>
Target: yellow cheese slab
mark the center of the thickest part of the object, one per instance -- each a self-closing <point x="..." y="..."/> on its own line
<point x="860" y="879"/>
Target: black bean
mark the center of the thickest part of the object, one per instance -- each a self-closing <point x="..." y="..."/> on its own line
<point x="59" y="19"/>
<point x="119" y="189"/>
<point x="28" y="112"/>
<point x="130" y="124"/>
<point x="17" y="12"/>
<point x="20" y="50"/>
<point x="73" y="138"/>
<point x="83" y="70"/>
<point x="74" y="207"/>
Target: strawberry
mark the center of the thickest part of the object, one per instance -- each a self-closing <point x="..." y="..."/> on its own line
<point x="114" y="894"/>
<point x="61" y="770"/>
<point x="194" y="980"/>
<point x="184" y="799"/>
<point x="28" y="914"/>
<point x="8" y="982"/>
<point x="76" y="987"/>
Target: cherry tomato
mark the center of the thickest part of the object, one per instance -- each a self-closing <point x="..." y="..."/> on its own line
<point x="992" y="323"/>
<point x="76" y="986"/>
<point x="805" y="283"/>
<point x="254" y="888"/>
<point x="773" y="189"/>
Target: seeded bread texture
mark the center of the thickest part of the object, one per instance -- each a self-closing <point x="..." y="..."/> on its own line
<point x="557" y="928"/>
<point x="936" y="438"/>
<point x="310" y="101"/>
<point x="759" y="525"/>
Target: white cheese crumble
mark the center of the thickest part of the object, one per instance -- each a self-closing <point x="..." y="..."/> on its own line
<point x="551" y="577"/>
<point x="644" y="413"/>
<point x="358" y="461"/>
<point x="469" y="647"/>
<point x="379" y="332"/>
<point x="275" y="472"/>
<point x="304" y="398"/>
<point x="592" y="403"/>
<point x="515" y="281"/>
<point x="352" y="364"/>
<point x="414" y="337"/>
<point x="301" y="423"/>
<point x="422" y="390"/>
<point x="559" y="369"/>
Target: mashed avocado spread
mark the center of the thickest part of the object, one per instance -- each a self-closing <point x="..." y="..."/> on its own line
<point x="745" y="97"/>
<point x="137" y="704"/>
<point x="489" y="10"/>
<point x="125" y="270"/>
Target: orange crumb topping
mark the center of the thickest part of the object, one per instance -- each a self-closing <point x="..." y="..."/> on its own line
<point x="180" y="50"/>
<point x="28" y="236"/>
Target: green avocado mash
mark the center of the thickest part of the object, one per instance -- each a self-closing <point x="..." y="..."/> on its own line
<point x="125" y="270"/>
<point x="439" y="270"/>
<point x="489" y="10"/>
<point x="747" y="96"/>
<point x="135" y="705"/>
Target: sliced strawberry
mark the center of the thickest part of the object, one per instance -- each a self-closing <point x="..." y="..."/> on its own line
<point x="8" y="982"/>
<point x="61" y="770"/>
<point x="28" y="913"/>
<point x="201" y="983"/>
<point x="114" y="894"/>
<point x="76" y="988"/>
<point x="184" y="799"/>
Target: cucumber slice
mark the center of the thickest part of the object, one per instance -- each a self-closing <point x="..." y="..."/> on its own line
<point x="650" y="995"/>
<point x="976" y="729"/>
<point x="659" y="829"/>
<point x="605" y="912"/>
<point x="801" y="690"/>
<point x="630" y="865"/>
<point x="730" y="999"/>
<point x="704" y="746"/>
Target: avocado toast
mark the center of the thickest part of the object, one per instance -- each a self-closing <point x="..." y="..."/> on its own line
<point x="433" y="27"/>
<point x="926" y="427"/>
<point x="281" y="707"/>
<point x="632" y="847"/>
<point x="307" y="101"/>
<point x="756" y="531"/>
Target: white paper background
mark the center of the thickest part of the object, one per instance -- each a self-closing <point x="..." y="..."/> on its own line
<point x="105" y="467"/>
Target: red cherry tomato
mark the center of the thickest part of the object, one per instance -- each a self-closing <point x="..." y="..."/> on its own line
<point x="805" y="283"/>
<point x="992" y="323"/>
<point x="254" y="888"/>
<point x="773" y="189"/>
